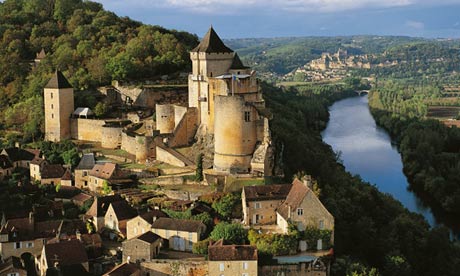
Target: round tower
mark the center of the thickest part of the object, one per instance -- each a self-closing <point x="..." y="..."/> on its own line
<point x="165" y="118"/>
<point x="235" y="134"/>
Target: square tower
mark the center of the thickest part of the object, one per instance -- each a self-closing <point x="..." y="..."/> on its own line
<point x="210" y="58"/>
<point x="59" y="105"/>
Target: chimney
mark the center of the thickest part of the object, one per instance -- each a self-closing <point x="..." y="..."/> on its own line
<point x="17" y="144"/>
<point x="154" y="219"/>
<point x="31" y="218"/>
<point x="289" y="211"/>
<point x="307" y="181"/>
<point x="78" y="234"/>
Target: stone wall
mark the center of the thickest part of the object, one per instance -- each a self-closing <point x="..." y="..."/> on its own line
<point x="159" y="267"/>
<point x="128" y="143"/>
<point x="165" y="118"/>
<point x="150" y="96"/>
<point x="303" y="269"/>
<point x="217" y="268"/>
<point x="87" y="129"/>
<point x="111" y="137"/>
<point x="164" y="156"/>
<point x="185" y="130"/>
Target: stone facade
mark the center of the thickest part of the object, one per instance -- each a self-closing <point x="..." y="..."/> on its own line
<point x="179" y="234"/>
<point x="59" y="105"/>
<point x="303" y="208"/>
<point x="141" y="248"/>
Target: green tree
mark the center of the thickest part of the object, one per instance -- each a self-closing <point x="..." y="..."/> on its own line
<point x="199" y="168"/>
<point x="231" y="232"/>
<point x="225" y="205"/>
<point x="106" y="188"/>
<point x="100" y="109"/>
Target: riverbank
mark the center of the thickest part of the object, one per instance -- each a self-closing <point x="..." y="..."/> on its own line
<point x="372" y="229"/>
<point x="431" y="156"/>
<point x="366" y="150"/>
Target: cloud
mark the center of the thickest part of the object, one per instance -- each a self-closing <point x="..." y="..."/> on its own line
<point x="415" y="24"/>
<point x="229" y="6"/>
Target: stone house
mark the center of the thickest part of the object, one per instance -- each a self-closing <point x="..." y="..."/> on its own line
<point x="6" y="168"/>
<point x="142" y="223"/>
<point x="303" y="208"/>
<point x="232" y="259"/>
<point x="81" y="199"/>
<point x="64" y="254"/>
<point x="86" y="164"/>
<point x="125" y="269"/>
<point x="96" y="213"/>
<point x="260" y="203"/>
<point x="66" y="179"/>
<point x="179" y="234"/>
<point x="118" y="214"/>
<point x="35" y="168"/>
<point x="25" y="235"/>
<point x="20" y="157"/>
<point x="13" y="266"/>
<point x="51" y="174"/>
<point x="107" y="172"/>
<point x="142" y="248"/>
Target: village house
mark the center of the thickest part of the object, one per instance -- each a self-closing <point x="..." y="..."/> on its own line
<point x="20" y="157"/>
<point x="6" y="168"/>
<point x="303" y="209"/>
<point x="125" y="269"/>
<point x="81" y="199"/>
<point x="179" y="234"/>
<point x="64" y="255"/>
<point x="142" y="248"/>
<point x="232" y="259"/>
<point x="142" y="223"/>
<point x="98" y="209"/>
<point x="260" y="203"/>
<point x="66" y="178"/>
<point x="86" y="164"/>
<point x="35" y="168"/>
<point x="25" y="235"/>
<point x="118" y="214"/>
<point x="51" y="174"/>
<point x="13" y="266"/>
<point x="108" y="173"/>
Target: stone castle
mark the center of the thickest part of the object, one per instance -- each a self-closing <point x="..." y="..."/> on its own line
<point x="224" y="102"/>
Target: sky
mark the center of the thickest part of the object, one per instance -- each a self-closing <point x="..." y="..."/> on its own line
<point x="286" y="18"/>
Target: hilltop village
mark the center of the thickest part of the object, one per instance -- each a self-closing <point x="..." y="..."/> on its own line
<point x="175" y="180"/>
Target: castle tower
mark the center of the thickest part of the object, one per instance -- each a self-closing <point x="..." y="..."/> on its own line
<point x="211" y="58"/>
<point x="59" y="105"/>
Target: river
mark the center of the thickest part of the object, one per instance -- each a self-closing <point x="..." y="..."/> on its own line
<point x="366" y="150"/>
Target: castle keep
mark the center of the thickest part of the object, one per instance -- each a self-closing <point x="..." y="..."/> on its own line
<point x="224" y="102"/>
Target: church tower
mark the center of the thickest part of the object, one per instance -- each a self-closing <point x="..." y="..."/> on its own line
<point x="59" y="105"/>
<point x="211" y="58"/>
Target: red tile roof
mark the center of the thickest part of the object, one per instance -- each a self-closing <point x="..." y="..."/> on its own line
<point x="125" y="269"/>
<point x="220" y="252"/>
<point x="295" y="197"/>
<point x="101" y="204"/>
<point x="65" y="253"/>
<point x="179" y="224"/>
<point x="267" y="192"/>
<point x="52" y="171"/>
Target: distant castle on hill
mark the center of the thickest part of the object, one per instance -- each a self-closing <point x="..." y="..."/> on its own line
<point x="224" y="102"/>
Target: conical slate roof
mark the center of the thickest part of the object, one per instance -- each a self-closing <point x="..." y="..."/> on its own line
<point x="237" y="63"/>
<point x="58" y="81"/>
<point x="212" y="43"/>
